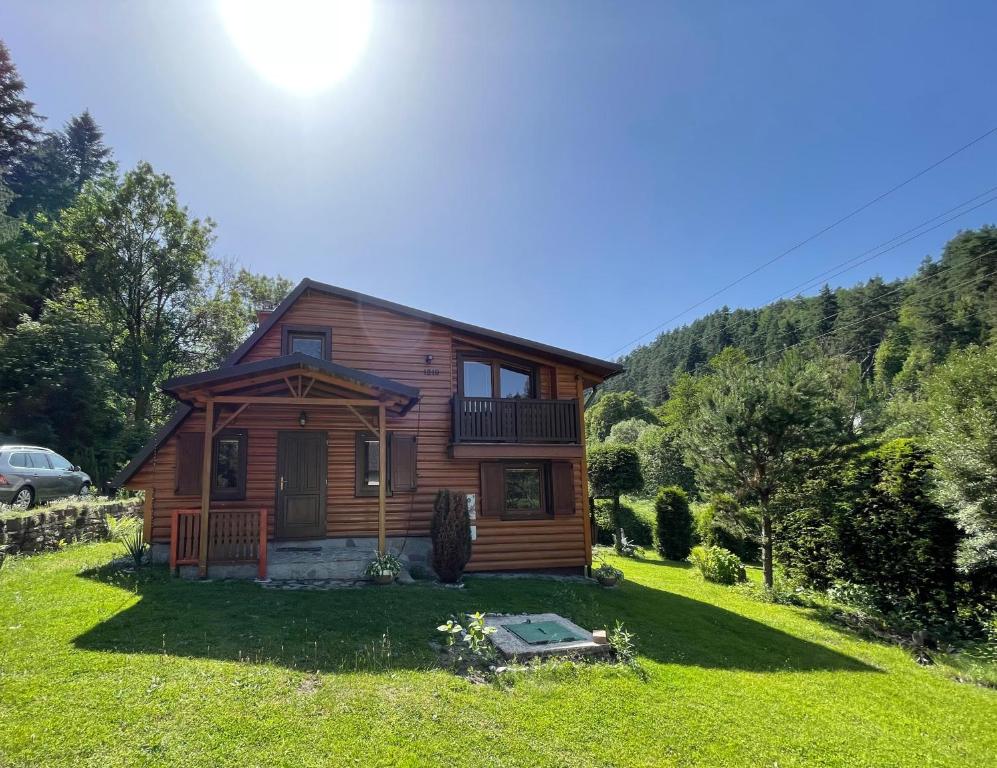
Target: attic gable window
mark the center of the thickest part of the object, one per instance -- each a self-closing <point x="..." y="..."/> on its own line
<point x="312" y="340"/>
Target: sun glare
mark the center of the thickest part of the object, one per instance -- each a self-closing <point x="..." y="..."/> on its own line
<point x="301" y="45"/>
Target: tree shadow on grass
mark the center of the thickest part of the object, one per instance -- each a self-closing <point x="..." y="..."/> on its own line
<point x="379" y="628"/>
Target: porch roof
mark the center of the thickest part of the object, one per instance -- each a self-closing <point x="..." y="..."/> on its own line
<point x="232" y="377"/>
<point x="267" y="378"/>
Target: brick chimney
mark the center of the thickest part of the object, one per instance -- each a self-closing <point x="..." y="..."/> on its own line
<point x="262" y="315"/>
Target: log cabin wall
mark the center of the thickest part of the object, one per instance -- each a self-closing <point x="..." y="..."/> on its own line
<point x="394" y="346"/>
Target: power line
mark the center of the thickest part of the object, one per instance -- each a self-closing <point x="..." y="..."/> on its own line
<point x="811" y="238"/>
<point x="813" y="282"/>
<point x="862" y="320"/>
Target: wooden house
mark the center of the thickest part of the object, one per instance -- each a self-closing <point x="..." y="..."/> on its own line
<point x="340" y="418"/>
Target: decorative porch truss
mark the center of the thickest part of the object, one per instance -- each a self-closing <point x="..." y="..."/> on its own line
<point x="294" y="381"/>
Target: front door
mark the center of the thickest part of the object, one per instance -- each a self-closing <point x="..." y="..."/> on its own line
<point x="301" y="485"/>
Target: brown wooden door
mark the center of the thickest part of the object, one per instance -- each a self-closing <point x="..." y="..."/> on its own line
<point x="301" y="485"/>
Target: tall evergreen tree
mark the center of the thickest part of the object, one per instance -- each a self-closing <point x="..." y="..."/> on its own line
<point x="20" y="125"/>
<point x="90" y="156"/>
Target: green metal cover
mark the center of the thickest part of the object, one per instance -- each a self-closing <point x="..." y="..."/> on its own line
<point x="541" y="632"/>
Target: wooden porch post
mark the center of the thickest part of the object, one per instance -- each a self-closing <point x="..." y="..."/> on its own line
<point x="382" y="478"/>
<point x="586" y="513"/>
<point x="209" y="422"/>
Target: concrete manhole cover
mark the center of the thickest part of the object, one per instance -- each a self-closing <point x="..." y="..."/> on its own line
<point x="530" y="635"/>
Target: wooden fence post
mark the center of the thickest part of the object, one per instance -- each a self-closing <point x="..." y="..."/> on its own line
<point x="261" y="571"/>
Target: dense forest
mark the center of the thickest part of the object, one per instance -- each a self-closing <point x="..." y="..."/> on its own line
<point x="891" y="329"/>
<point x="847" y="441"/>
<point x="108" y="285"/>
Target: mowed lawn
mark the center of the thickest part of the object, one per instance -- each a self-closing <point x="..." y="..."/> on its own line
<point x="104" y="668"/>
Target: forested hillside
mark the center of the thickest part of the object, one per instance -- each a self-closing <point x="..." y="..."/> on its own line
<point x="889" y="328"/>
<point x="108" y="285"/>
<point x="848" y="438"/>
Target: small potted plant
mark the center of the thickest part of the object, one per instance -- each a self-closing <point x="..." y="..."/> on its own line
<point x="383" y="568"/>
<point x="607" y="575"/>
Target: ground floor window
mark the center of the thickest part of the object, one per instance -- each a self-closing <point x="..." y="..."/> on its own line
<point x="527" y="490"/>
<point x="228" y="478"/>
<point x="523" y="490"/>
<point x="401" y="469"/>
<point x="229" y="452"/>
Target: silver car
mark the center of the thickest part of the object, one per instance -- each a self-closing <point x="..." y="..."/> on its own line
<point x="30" y="474"/>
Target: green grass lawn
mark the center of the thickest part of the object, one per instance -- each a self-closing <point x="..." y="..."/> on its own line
<point x="106" y="668"/>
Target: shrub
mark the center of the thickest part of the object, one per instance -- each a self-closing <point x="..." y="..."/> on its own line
<point x="673" y="523"/>
<point x="722" y="522"/>
<point x="717" y="564"/>
<point x="627" y="431"/>
<point x="635" y="528"/>
<point x="451" y="534"/>
<point x="661" y="461"/>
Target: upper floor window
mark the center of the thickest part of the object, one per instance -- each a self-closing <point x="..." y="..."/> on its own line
<point x="482" y="377"/>
<point x="308" y="340"/>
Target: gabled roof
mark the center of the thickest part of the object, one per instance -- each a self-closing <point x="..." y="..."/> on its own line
<point x="600" y="369"/>
<point x="295" y="361"/>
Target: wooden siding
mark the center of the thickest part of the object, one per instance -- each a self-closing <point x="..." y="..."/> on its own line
<point x="394" y="346"/>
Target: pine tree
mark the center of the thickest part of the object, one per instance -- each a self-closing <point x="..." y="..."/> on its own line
<point x="89" y="155"/>
<point x="19" y="124"/>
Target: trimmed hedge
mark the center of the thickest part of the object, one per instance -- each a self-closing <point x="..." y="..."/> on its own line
<point x="673" y="524"/>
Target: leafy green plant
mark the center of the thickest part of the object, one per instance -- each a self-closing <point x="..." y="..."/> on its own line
<point x="383" y="564"/>
<point x="469" y="644"/>
<point x="624" y="644"/>
<point x="451" y="534"/>
<point x="606" y="571"/>
<point x="128" y="531"/>
<point x="718" y="564"/>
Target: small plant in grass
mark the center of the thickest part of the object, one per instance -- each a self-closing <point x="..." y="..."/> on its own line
<point x="468" y="644"/>
<point x="607" y="575"/>
<point x="624" y="644"/>
<point x="718" y="565"/>
<point x="383" y="568"/>
<point x="128" y="531"/>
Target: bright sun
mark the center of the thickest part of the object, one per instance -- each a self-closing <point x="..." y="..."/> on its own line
<point x="302" y="45"/>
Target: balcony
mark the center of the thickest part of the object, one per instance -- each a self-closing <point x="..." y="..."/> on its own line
<point x="515" y="421"/>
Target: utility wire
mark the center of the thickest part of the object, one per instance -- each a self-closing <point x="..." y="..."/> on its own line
<point x="859" y="260"/>
<point x="811" y="238"/>
<point x="862" y="320"/>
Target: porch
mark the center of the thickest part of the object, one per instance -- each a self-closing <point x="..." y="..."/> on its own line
<point x="292" y="458"/>
<point x="238" y="547"/>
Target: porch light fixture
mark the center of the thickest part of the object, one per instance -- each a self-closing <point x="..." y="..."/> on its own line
<point x="302" y="418"/>
<point x="429" y="359"/>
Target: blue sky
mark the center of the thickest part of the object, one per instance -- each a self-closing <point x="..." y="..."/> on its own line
<point x="574" y="172"/>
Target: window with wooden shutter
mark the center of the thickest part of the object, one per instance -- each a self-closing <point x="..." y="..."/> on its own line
<point x="492" y="488"/>
<point x="190" y="450"/>
<point x="562" y="481"/>
<point x="402" y="461"/>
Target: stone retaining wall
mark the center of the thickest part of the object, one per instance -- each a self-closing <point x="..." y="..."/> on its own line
<point x="44" y="529"/>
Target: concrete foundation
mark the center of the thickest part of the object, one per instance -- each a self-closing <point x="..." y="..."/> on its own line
<point x="342" y="558"/>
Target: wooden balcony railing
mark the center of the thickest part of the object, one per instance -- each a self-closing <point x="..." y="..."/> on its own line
<point x="234" y="536"/>
<point x="514" y="420"/>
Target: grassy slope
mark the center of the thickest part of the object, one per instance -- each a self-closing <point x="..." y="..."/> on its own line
<point x="106" y="669"/>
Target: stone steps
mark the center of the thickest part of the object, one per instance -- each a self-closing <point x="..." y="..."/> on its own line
<point x="318" y="559"/>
